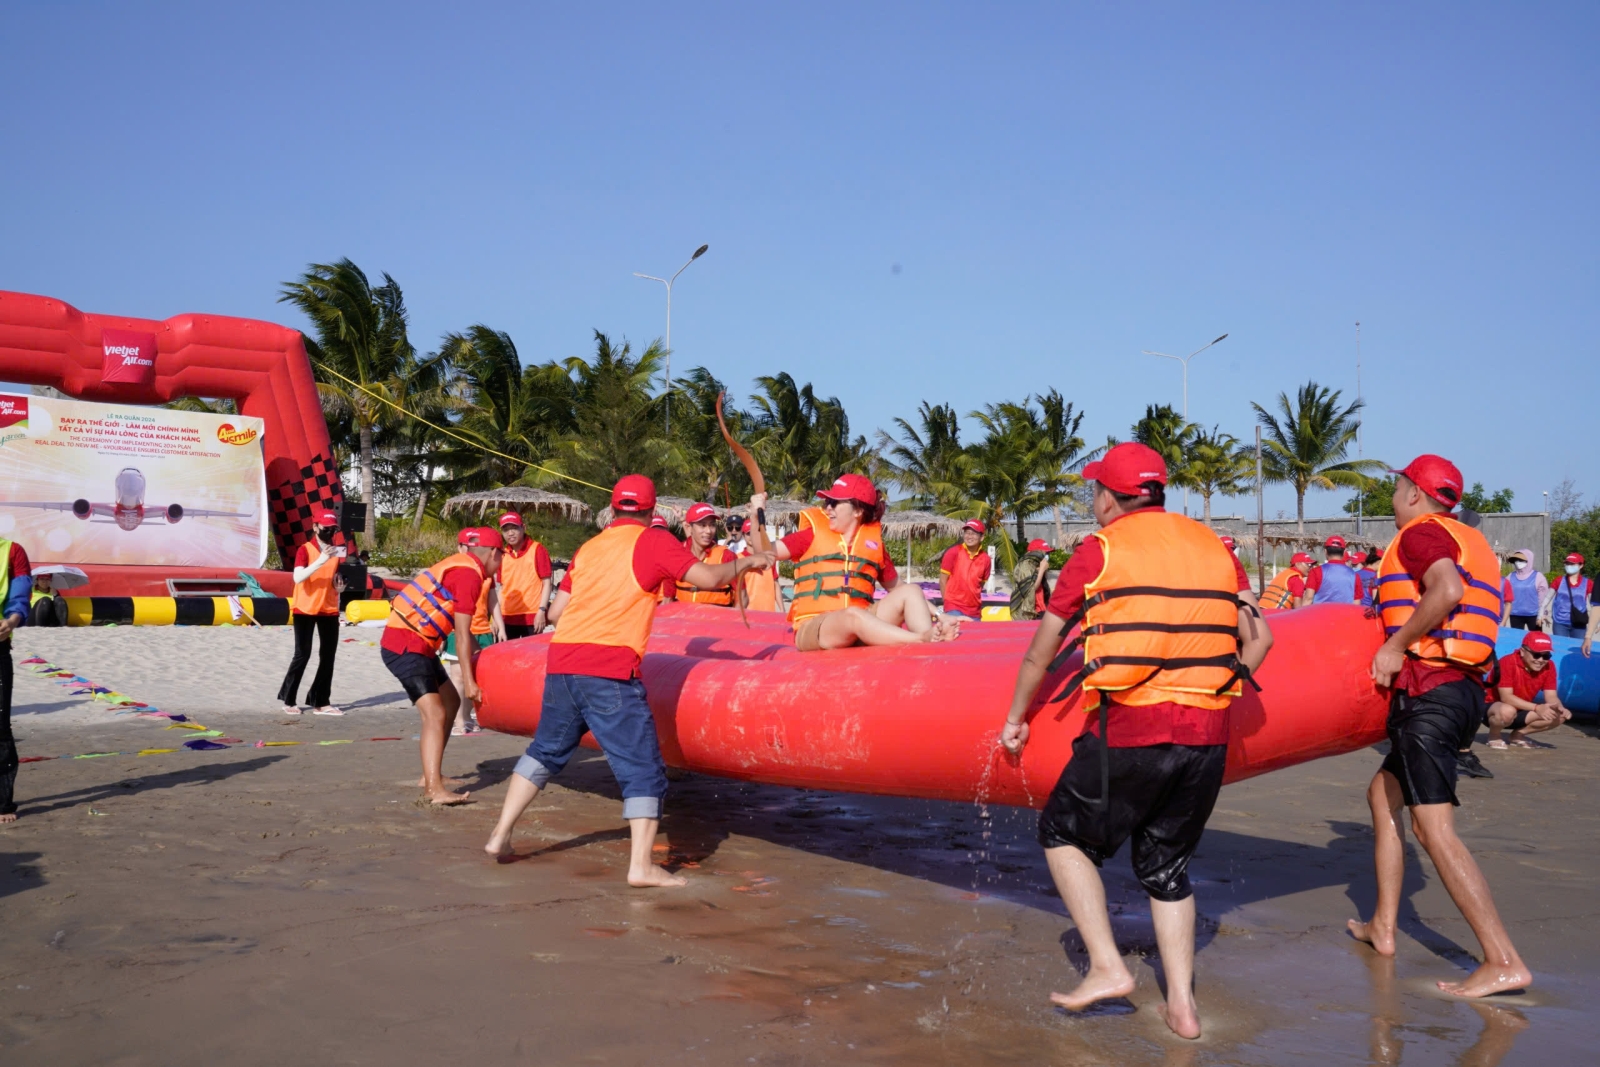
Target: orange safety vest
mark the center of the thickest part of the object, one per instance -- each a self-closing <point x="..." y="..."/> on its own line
<point x="1467" y="636"/>
<point x="425" y="607"/>
<point x="693" y="594"/>
<point x="1276" y="594"/>
<point x="316" y="595"/>
<point x="1161" y="619"/>
<point x="761" y="589"/>
<point x="607" y="606"/>
<point x="520" y="581"/>
<point x="831" y="574"/>
<point x="481" y="623"/>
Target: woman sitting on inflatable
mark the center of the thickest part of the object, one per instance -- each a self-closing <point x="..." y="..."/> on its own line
<point x="839" y="556"/>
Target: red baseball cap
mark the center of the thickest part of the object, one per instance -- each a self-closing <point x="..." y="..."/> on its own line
<point x="480" y="537"/>
<point x="975" y="524"/>
<point x="1575" y="557"/>
<point x="658" y="522"/>
<point x="1335" y="541"/>
<point x="1435" y="476"/>
<point x="1356" y="555"/>
<point x="1039" y="545"/>
<point x="1228" y="540"/>
<point x="325" y="518"/>
<point x="1537" y="642"/>
<point x="1127" y="467"/>
<point x="633" y="492"/>
<point x="857" y="487"/>
<point x="746" y="527"/>
<point x="700" y="512"/>
<point x="1300" y="557"/>
<point x="510" y="518"/>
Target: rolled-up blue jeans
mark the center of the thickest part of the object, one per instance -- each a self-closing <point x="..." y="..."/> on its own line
<point x="1563" y="630"/>
<point x="618" y="715"/>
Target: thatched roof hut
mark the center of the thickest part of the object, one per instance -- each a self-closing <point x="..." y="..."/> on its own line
<point x="919" y="525"/>
<point x="518" y="498"/>
<point x="671" y="508"/>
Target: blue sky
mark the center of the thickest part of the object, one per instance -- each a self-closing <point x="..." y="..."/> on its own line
<point x="1061" y="185"/>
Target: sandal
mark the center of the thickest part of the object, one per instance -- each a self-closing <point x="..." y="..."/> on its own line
<point x="290" y="709"/>
<point x="328" y="709"/>
<point x="1498" y="744"/>
<point x="1523" y="742"/>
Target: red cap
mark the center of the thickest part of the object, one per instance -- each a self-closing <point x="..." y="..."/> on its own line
<point x="975" y="524"/>
<point x="510" y="518"/>
<point x="1038" y="545"/>
<point x="746" y="527"/>
<point x="658" y="522"/>
<point x="480" y="537"/>
<point x="633" y="492"/>
<point x="700" y="512"/>
<point x="1228" y="540"/>
<point x="1575" y="557"/>
<point x="1356" y="555"/>
<point x="1537" y="642"/>
<point x="1126" y="467"/>
<point x="1335" y="541"/>
<point x="1435" y="476"/>
<point x="857" y="487"/>
<point x="325" y="518"/>
<point x="1300" y="557"/>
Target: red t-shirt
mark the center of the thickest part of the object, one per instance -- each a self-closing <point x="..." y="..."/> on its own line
<point x="963" y="591"/>
<point x="1515" y="676"/>
<point x="800" y="540"/>
<point x="1151" y="724"/>
<point x="659" y="561"/>
<point x="1314" y="582"/>
<point x="463" y="584"/>
<point x="1420" y="548"/>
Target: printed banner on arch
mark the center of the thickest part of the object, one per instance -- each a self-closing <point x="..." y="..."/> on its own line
<point x="129" y="484"/>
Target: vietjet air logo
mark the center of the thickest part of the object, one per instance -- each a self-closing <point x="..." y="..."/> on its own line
<point x="230" y="436"/>
<point x="13" y="411"/>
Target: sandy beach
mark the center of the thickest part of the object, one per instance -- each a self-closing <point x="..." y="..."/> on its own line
<point x="296" y="903"/>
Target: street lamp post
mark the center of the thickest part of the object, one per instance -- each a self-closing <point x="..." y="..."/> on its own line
<point x="1185" y="361"/>
<point x="668" y="283"/>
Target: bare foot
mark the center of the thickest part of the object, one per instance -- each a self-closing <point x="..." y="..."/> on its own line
<point x="1381" y="940"/>
<point x="653" y="877"/>
<point x="1096" y="985"/>
<point x="1491" y="978"/>
<point x="443" y="799"/>
<point x="1181" y="1020"/>
<point x="949" y="628"/>
<point x="499" y="847"/>
<point x="8" y="817"/>
<point x="449" y="783"/>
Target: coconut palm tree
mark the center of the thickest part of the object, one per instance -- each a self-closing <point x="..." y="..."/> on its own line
<point x="694" y="426"/>
<point x="1215" y="464"/>
<point x="801" y="440"/>
<point x="616" y="417"/>
<point x="1061" y="466"/>
<point x="1003" y="468"/>
<point x="926" y="460"/>
<point x="1170" y="434"/>
<point x="361" y="335"/>
<point x="1305" y="443"/>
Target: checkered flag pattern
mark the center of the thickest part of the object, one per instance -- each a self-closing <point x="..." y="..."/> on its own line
<point x="292" y="504"/>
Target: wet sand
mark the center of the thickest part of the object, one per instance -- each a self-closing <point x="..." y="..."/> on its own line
<point x="263" y="905"/>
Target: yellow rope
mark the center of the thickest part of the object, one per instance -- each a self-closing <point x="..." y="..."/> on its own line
<point x="451" y="433"/>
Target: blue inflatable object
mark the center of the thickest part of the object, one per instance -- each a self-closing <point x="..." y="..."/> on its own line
<point x="1577" y="678"/>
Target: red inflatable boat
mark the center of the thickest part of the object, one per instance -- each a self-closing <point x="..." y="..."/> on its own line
<point x="922" y="721"/>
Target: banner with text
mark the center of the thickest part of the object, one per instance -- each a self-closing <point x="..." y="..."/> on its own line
<point x="128" y="484"/>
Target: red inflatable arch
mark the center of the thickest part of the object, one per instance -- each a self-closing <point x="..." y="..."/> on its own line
<point x="140" y="361"/>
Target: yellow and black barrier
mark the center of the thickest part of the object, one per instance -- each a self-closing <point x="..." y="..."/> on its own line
<point x="172" y="611"/>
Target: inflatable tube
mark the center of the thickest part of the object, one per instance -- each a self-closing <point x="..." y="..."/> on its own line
<point x="366" y="610"/>
<point x="120" y="580"/>
<point x="922" y="721"/>
<point x="261" y="365"/>
<point x="1577" y="675"/>
<point x="171" y="611"/>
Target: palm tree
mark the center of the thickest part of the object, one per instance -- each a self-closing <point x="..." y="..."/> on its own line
<point x="694" y="426"/>
<point x="1216" y="464"/>
<point x="1305" y="443"/>
<point x="1004" y="468"/>
<point x="1064" y="456"/>
<point x="360" y="334"/>
<point x="1170" y="434"/>
<point x="802" y="440"/>
<point x="616" y="417"/>
<point x="926" y="459"/>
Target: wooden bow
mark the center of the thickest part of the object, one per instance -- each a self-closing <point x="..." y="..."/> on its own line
<point x="758" y="522"/>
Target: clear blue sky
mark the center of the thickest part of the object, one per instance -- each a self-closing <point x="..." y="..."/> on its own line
<point x="1062" y="186"/>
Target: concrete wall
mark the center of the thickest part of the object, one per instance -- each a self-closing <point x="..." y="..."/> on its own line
<point x="1506" y="531"/>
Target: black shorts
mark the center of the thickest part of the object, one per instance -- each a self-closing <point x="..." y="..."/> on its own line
<point x="1425" y="733"/>
<point x="515" y="630"/>
<point x="1524" y="622"/>
<point x="419" y="675"/>
<point x="1161" y="796"/>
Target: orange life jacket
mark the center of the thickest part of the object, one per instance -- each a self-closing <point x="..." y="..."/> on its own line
<point x="519" y="580"/>
<point x="1276" y="594"/>
<point x="831" y="574"/>
<point x="1467" y="636"/>
<point x="693" y="594"/>
<point x="425" y="607"/>
<point x="1161" y="619"/>
<point x="316" y="595"/>
<point x="481" y="623"/>
<point x="607" y="606"/>
<point x="761" y="589"/>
